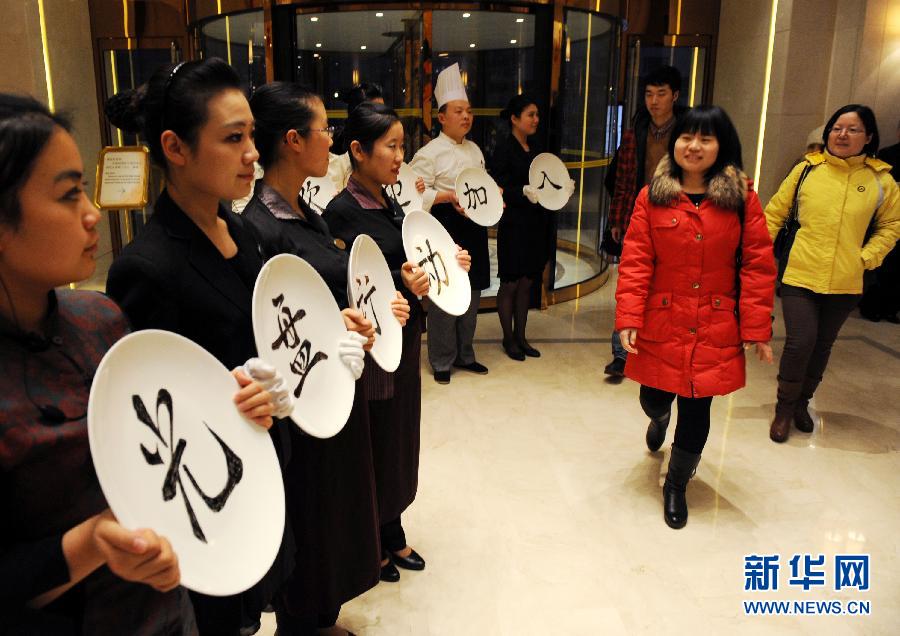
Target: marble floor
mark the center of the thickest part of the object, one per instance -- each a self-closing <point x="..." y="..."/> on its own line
<point x="539" y="507"/>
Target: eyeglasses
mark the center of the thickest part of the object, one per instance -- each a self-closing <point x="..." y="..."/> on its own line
<point x="328" y="131"/>
<point x="837" y="131"/>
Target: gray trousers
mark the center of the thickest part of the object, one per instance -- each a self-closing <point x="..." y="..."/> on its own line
<point x="450" y="337"/>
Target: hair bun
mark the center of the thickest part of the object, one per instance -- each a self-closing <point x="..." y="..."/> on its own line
<point x="124" y="109"/>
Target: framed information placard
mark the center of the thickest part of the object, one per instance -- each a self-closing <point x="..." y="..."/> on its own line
<point x="123" y="175"/>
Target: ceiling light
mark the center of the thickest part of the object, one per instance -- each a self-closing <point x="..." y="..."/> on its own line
<point x="472" y="45"/>
<point x="314" y="19"/>
<point x="318" y="45"/>
<point x="443" y="54"/>
<point x="467" y="15"/>
<point x="335" y="95"/>
<point x="316" y="55"/>
<point x="513" y="41"/>
<point x="379" y="15"/>
<point x="520" y="20"/>
<point x="362" y="48"/>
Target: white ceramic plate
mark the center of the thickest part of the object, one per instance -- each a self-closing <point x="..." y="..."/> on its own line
<point x="197" y="473"/>
<point x="370" y="288"/>
<point x="479" y="196"/>
<point x="404" y="191"/>
<point x="318" y="192"/>
<point x="298" y="326"/>
<point x="428" y="244"/>
<point x="549" y="175"/>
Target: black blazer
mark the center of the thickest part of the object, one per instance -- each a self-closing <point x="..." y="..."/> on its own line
<point x="172" y="277"/>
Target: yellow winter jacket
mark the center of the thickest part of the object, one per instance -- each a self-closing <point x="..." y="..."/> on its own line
<point x="837" y="200"/>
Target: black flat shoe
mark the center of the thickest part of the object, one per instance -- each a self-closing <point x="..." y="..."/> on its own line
<point x="411" y="562"/>
<point x="442" y="377"/>
<point x="513" y="351"/>
<point x="390" y="573"/>
<point x="528" y="350"/>
<point x="616" y="368"/>
<point x="474" y="367"/>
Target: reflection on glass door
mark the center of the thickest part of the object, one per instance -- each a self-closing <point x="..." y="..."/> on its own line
<point x="689" y="60"/>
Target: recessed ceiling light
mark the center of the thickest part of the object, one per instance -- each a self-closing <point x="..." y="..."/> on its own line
<point x="513" y="41"/>
<point x="520" y="20"/>
<point x="443" y="54"/>
<point x="314" y="19"/>
<point x="472" y="45"/>
<point x="362" y="48"/>
<point x="379" y="15"/>
<point x="335" y="95"/>
<point x="316" y="55"/>
<point x="318" y="45"/>
<point x="467" y="15"/>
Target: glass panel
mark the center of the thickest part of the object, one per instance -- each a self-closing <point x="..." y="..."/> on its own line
<point x="240" y="40"/>
<point x="588" y="136"/>
<point x="690" y="62"/>
<point x="495" y="53"/>
<point x="339" y="49"/>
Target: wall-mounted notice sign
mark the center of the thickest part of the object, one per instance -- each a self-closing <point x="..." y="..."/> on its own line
<point x="123" y="174"/>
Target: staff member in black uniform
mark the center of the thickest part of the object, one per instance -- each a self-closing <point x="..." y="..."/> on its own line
<point x="331" y="485"/>
<point x="374" y="136"/>
<point x="522" y="234"/>
<point x="192" y="268"/>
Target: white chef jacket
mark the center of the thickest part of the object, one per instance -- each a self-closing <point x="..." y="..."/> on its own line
<point x="440" y="161"/>
<point x="339" y="169"/>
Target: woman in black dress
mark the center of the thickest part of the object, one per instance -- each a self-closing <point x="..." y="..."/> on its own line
<point x="374" y="136"/>
<point x="522" y="234"/>
<point x="331" y="487"/>
<point x="192" y="268"/>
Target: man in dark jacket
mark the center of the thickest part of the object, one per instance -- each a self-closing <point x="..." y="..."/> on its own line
<point x="642" y="147"/>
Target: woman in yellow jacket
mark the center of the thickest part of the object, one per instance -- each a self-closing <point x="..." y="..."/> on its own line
<point x="849" y="214"/>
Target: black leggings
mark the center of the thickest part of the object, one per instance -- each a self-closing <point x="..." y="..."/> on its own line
<point x="692" y="428"/>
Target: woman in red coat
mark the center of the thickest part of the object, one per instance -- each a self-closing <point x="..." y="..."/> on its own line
<point x="696" y="280"/>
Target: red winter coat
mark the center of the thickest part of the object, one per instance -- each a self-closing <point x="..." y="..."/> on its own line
<point x="677" y="284"/>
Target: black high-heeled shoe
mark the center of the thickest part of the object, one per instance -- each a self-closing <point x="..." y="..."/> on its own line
<point x="528" y="350"/>
<point x="389" y="571"/>
<point x="413" y="561"/>
<point x="513" y="350"/>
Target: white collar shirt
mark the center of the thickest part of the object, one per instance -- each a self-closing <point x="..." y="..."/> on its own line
<point x="440" y="161"/>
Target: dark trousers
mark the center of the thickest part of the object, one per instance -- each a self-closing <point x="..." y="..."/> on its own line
<point x="812" y="322"/>
<point x="290" y="625"/>
<point x="393" y="538"/>
<point x="692" y="428"/>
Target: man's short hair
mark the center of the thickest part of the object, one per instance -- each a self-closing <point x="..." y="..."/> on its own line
<point x="661" y="76"/>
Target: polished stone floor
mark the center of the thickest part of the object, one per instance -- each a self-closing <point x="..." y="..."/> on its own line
<point x="539" y="506"/>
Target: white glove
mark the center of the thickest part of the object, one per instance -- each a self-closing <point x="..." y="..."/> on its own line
<point x="530" y="192"/>
<point x="272" y="381"/>
<point x="569" y="188"/>
<point x="350" y="351"/>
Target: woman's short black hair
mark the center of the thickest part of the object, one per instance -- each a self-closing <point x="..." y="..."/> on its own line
<point x="359" y="94"/>
<point x="708" y="120"/>
<point x="277" y="108"/>
<point x="26" y="126"/>
<point x="175" y="98"/>
<point x="367" y="124"/>
<point x="516" y="106"/>
<point x="868" y="119"/>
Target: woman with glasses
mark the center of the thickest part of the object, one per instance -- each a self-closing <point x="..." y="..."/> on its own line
<point x="330" y="485"/>
<point x="849" y="219"/>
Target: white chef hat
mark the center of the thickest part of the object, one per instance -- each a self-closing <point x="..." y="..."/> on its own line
<point x="450" y="86"/>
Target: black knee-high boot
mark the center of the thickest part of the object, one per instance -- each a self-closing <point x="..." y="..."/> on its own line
<point x="682" y="466"/>
<point x="802" y="420"/>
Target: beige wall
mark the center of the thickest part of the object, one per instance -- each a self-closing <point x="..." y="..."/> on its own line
<point x="71" y="72"/>
<point x="826" y="53"/>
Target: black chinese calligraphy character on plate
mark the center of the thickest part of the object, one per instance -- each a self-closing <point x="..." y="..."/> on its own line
<point x="428" y="244"/>
<point x="479" y="195"/>
<point x="549" y="175"/>
<point x="370" y="288"/>
<point x="172" y="453"/>
<point x="404" y="191"/>
<point x="298" y="327"/>
<point x="317" y="192"/>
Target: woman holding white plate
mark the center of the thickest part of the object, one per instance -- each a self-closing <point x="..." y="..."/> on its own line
<point x="331" y="490"/>
<point x="374" y="136"/>
<point x="66" y="565"/>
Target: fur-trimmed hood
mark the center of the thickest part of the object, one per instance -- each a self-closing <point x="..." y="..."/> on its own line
<point x="728" y="189"/>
